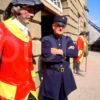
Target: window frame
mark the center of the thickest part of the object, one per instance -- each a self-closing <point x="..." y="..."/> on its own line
<point x="54" y="5"/>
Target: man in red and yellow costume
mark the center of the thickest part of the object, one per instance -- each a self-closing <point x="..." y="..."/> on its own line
<point x="16" y="82"/>
<point x="82" y="46"/>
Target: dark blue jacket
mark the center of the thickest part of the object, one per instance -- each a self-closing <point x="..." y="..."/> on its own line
<point x="52" y="79"/>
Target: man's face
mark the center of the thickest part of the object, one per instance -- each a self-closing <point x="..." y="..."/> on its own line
<point x="58" y="30"/>
<point x="26" y="14"/>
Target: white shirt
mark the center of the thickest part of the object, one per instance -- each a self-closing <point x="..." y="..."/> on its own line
<point x="22" y="27"/>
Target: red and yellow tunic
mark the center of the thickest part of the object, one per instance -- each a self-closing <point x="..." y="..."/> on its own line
<point x="80" y="44"/>
<point x="15" y="62"/>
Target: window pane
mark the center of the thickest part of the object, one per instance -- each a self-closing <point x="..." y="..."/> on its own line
<point x="57" y="3"/>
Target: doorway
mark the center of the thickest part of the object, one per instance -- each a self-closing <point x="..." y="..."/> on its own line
<point x="46" y="25"/>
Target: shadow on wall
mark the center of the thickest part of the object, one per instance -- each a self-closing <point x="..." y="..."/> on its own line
<point x="1" y="11"/>
<point x="95" y="46"/>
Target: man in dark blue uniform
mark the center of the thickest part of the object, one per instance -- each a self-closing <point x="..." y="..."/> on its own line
<point x="58" y="79"/>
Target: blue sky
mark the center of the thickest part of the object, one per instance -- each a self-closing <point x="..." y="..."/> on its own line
<point x="94" y="11"/>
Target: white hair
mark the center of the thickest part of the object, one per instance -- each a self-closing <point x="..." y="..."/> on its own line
<point x="15" y="10"/>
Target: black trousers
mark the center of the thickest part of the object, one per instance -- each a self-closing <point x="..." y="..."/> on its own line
<point x="76" y="67"/>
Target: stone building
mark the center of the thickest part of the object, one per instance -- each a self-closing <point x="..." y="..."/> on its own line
<point x="75" y="10"/>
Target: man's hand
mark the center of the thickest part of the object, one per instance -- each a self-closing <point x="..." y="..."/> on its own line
<point x="71" y="47"/>
<point x="57" y="51"/>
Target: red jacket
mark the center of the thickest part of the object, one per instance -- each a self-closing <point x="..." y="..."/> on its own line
<point x="16" y="62"/>
<point x="80" y="44"/>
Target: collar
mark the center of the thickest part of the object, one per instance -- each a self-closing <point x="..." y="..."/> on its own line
<point x="57" y="37"/>
<point x="15" y="30"/>
<point x="22" y="27"/>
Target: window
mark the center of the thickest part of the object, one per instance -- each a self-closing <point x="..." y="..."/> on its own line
<point x="79" y="23"/>
<point x="55" y="3"/>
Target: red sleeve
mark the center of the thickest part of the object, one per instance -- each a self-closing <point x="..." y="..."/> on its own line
<point x="1" y="39"/>
<point x="80" y="44"/>
<point x="32" y="60"/>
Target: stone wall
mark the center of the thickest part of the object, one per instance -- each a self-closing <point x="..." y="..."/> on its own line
<point x="77" y="17"/>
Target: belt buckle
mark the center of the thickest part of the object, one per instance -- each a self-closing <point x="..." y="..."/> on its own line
<point x="61" y="69"/>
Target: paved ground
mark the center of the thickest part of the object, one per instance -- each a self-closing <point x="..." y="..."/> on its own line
<point x="88" y="85"/>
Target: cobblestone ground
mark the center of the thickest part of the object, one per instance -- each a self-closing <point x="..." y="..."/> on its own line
<point x="88" y="84"/>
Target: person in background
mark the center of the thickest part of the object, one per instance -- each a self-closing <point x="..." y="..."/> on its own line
<point x="58" y="81"/>
<point x="82" y="46"/>
<point x="16" y="67"/>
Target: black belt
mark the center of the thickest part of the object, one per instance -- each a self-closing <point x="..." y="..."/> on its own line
<point x="60" y="69"/>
